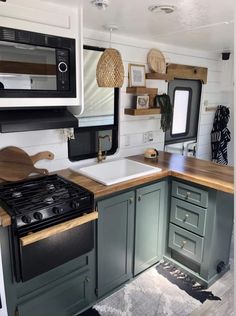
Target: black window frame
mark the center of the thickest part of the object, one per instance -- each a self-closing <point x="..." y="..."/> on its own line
<point x="95" y="129"/>
<point x="188" y="113"/>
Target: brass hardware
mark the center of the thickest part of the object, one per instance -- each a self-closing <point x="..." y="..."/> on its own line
<point x="139" y="198"/>
<point x="101" y="156"/>
<point x="184" y="242"/>
<point x="131" y="200"/>
<point x="187" y="195"/>
<point x="186" y="217"/>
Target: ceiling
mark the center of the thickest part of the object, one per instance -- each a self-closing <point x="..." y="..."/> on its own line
<point x="200" y="24"/>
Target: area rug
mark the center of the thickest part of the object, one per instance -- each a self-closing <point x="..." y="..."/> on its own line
<point x="162" y="290"/>
<point x="185" y="282"/>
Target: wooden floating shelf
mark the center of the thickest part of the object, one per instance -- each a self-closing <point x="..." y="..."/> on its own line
<point x="187" y="72"/>
<point x="142" y="111"/>
<point x="141" y="90"/>
<point x="157" y="76"/>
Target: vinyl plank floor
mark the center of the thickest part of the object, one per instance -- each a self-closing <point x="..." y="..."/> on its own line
<point x="224" y="288"/>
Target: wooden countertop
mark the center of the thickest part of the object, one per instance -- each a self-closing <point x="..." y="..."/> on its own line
<point x="198" y="171"/>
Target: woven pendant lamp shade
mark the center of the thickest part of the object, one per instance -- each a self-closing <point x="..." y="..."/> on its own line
<point x="110" y="69"/>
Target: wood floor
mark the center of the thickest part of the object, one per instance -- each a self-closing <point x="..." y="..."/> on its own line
<point x="224" y="288"/>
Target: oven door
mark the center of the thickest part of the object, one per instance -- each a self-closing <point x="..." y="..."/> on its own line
<point x="48" y="248"/>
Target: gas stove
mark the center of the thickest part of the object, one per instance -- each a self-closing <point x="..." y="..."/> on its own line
<point x="44" y="201"/>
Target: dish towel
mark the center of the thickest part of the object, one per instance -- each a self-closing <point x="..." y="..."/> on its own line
<point x="220" y="135"/>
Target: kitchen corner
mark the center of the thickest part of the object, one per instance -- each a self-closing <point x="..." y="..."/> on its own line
<point x="116" y="158"/>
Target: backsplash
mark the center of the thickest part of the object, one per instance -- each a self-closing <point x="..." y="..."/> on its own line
<point x="132" y="130"/>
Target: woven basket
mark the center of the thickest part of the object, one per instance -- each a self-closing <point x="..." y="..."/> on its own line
<point x="110" y="69"/>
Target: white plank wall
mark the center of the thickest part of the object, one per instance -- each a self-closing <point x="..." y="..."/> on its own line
<point x="131" y="129"/>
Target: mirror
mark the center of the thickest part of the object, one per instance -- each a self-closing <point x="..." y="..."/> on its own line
<point x="99" y="103"/>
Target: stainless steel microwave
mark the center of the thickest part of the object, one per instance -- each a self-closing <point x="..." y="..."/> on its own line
<point x="35" y="65"/>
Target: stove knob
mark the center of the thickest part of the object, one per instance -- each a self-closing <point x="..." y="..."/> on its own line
<point x="26" y="219"/>
<point x="75" y="204"/>
<point x="57" y="210"/>
<point x="38" y="215"/>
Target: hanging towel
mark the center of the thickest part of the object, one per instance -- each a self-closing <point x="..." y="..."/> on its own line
<point x="220" y="135"/>
<point x="166" y="111"/>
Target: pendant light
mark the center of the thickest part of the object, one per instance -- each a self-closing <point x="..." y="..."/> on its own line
<point x="110" y="68"/>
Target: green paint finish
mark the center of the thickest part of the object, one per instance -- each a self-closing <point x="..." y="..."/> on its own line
<point x="204" y="254"/>
<point x="190" y="193"/>
<point x="64" y="298"/>
<point x="149" y="204"/>
<point x="186" y="243"/>
<point x="115" y="239"/>
<point x="188" y="216"/>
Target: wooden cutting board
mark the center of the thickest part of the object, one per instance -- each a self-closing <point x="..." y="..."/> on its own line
<point x="16" y="164"/>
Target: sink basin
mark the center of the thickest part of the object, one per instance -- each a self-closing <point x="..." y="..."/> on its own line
<point x="117" y="171"/>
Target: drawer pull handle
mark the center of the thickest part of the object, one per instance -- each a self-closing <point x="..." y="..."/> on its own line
<point x="187" y="195"/>
<point x="139" y="198"/>
<point x="184" y="242"/>
<point x="186" y="217"/>
<point x="131" y="200"/>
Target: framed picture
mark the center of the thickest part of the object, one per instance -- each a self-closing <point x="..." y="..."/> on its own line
<point x="137" y="75"/>
<point x="142" y="102"/>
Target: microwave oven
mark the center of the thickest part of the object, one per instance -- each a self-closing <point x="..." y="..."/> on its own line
<point x="35" y="65"/>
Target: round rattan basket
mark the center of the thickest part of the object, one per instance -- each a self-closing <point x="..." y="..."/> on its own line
<point x="110" y="69"/>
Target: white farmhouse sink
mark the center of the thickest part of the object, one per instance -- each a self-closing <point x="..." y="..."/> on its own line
<point x="117" y="171"/>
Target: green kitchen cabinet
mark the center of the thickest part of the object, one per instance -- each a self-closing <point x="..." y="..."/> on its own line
<point x="115" y="240"/>
<point x="148" y="225"/>
<point x="200" y="231"/>
<point x="65" y="297"/>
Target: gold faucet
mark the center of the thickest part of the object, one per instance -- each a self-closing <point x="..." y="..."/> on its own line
<point x="100" y="156"/>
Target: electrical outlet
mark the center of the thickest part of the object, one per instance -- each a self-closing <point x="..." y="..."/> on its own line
<point x="127" y="140"/>
<point x="145" y="137"/>
<point x="206" y="103"/>
<point x="150" y="136"/>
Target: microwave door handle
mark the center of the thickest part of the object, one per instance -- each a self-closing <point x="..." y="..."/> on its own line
<point x="56" y="229"/>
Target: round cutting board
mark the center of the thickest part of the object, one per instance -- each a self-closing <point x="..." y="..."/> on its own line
<point x="156" y="61"/>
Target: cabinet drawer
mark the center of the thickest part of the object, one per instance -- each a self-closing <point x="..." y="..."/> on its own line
<point x="190" y="193"/>
<point x="186" y="243"/>
<point x="188" y="216"/>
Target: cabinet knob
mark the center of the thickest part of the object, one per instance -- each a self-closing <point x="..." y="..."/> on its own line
<point x="87" y="279"/>
<point x="131" y="200"/>
<point x="186" y="217"/>
<point x="139" y="198"/>
<point x="184" y="242"/>
<point x="187" y="195"/>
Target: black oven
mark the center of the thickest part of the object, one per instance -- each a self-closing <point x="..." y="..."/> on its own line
<point x="49" y="248"/>
<point x="35" y="65"/>
<point x="53" y="222"/>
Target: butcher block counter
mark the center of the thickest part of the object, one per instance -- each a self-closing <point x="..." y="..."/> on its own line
<point x="197" y="171"/>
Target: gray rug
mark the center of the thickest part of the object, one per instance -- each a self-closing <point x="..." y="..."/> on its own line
<point x="150" y="294"/>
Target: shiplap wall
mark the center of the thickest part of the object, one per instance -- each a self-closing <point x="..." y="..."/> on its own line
<point x="131" y="129"/>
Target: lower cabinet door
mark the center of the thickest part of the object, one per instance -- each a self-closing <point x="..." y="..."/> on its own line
<point x="115" y="241"/>
<point x="60" y="299"/>
<point x="149" y="201"/>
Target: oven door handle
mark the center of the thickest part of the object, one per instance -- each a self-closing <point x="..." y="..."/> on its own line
<point x="56" y="229"/>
